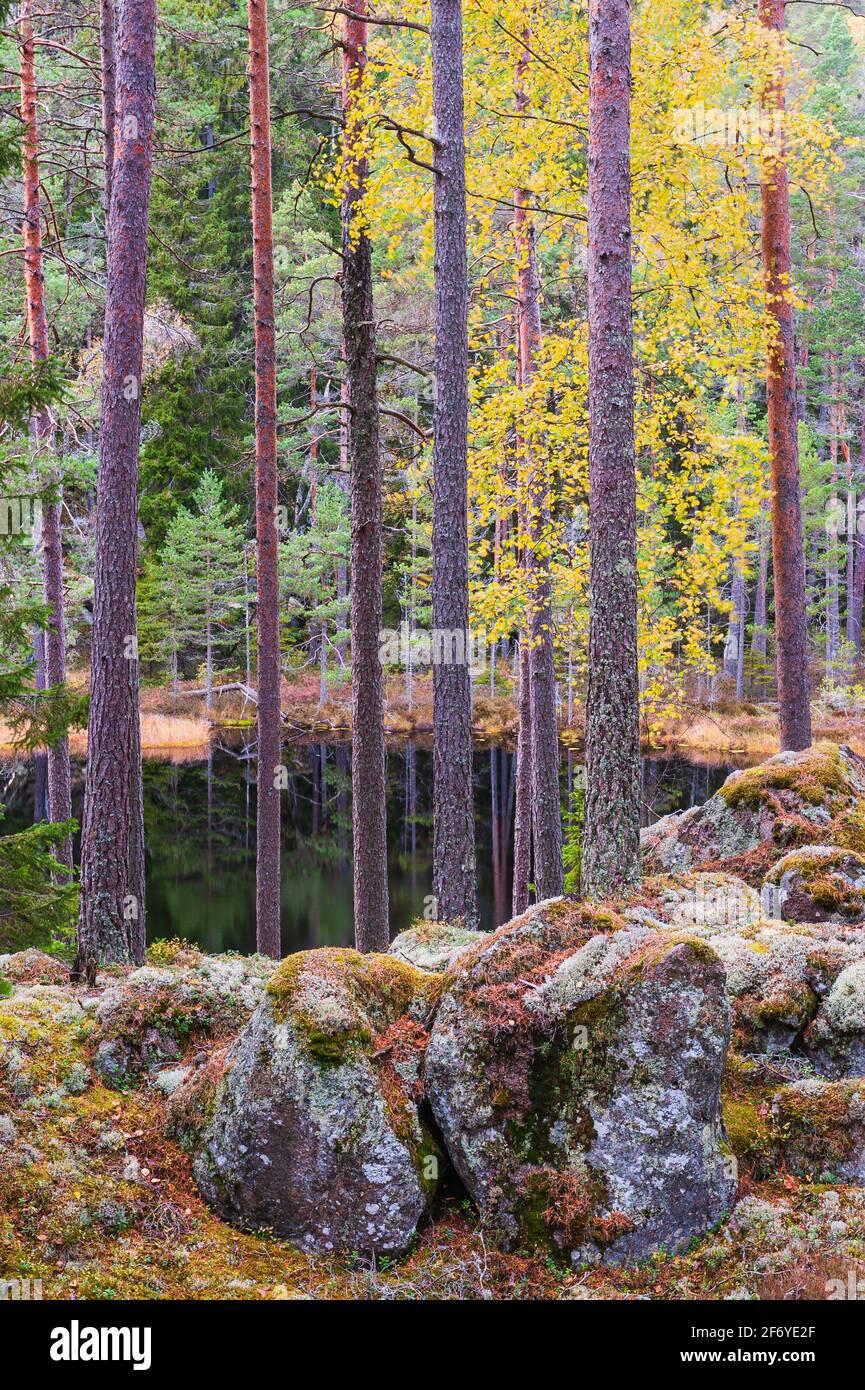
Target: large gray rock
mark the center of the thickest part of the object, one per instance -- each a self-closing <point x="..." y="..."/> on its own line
<point x="817" y="883"/>
<point x="311" y="1125"/>
<point x="791" y="799"/>
<point x="574" y="1070"/>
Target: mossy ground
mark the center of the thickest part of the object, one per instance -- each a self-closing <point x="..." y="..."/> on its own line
<point x="69" y="1217"/>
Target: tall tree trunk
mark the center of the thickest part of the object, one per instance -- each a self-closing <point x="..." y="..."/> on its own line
<point x="759" y="632"/>
<point x="112" y="922"/>
<point x="267" y="876"/>
<point x="109" y="98"/>
<point x="611" y="837"/>
<point x="833" y="621"/>
<point x="59" y="772"/>
<point x="453" y="783"/>
<point x="546" y="797"/>
<point x="791" y="630"/>
<point x="369" y="794"/>
<point x="523" y="813"/>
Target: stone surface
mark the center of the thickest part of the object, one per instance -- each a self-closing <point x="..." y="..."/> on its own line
<point x="311" y="1124"/>
<point x="835" y="1041"/>
<point x="706" y="900"/>
<point x="821" y="1129"/>
<point x="574" y="1070"/>
<point x="791" y="799"/>
<point x="433" y="946"/>
<point x="779" y="978"/>
<point x="817" y="883"/>
<point x="150" y="1017"/>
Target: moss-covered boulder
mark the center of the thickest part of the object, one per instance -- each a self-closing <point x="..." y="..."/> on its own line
<point x="817" y="883"/>
<point x="311" y="1124"/>
<point x="820" y="1129"/>
<point x="152" y="1016"/>
<point x="835" y="1041"/>
<point x="715" y="900"/>
<point x="33" y="967"/>
<point x="793" y="799"/>
<point x="434" y="946"/>
<point x="778" y="977"/>
<point x="574" y="1069"/>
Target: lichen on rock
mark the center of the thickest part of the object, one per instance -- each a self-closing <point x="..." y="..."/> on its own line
<point x="433" y="946"/>
<point x="760" y="813"/>
<point x="311" y="1124"/>
<point x="820" y="1127"/>
<point x="716" y="900"/>
<point x="574" y="1070"/>
<point x="835" y="1042"/>
<point x="818" y="883"/>
<point x="148" y="1018"/>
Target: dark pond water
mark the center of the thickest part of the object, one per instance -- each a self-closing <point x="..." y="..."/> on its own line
<point x="200" y="825"/>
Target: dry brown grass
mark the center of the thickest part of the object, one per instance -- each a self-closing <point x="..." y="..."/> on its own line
<point x="166" y="735"/>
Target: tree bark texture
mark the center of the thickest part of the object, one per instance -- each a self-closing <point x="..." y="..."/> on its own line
<point x="611" y="840"/>
<point x="59" y="773"/>
<point x="369" y="792"/>
<point x="107" y="48"/>
<point x="112" y="921"/>
<point x="791" y="631"/>
<point x="453" y="784"/>
<point x="267" y="889"/>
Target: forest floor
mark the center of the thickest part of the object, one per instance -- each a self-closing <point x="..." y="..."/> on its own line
<point x="97" y="1202"/>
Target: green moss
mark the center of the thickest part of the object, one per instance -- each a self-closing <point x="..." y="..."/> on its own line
<point x="340" y="999"/>
<point x="746" y="1103"/>
<point x="814" y="780"/>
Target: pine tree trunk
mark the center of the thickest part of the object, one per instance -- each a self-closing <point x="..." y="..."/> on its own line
<point x="546" y="797"/>
<point x="59" y="771"/>
<point x="369" y="794"/>
<point x="523" y="812"/>
<point x="267" y="899"/>
<point x="453" y="783"/>
<point x="833" y="620"/>
<point x="109" y="98"/>
<point x="787" y="547"/>
<point x="112" y="922"/>
<point x="611" y="838"/>
<point x="759" y="633"/>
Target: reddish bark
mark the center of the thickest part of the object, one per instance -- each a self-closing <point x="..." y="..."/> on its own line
<point x="267" y="902"/>
<point x="112" y="921"/>
<point x="546" y="796"/>
<point x="369" y="792"/>
<point x="109" y="96"/>
<point x="59" y="774"/>
<point x="791" y="632"/>
<point x="611" y="840"/>
<point x="453" y="784"/>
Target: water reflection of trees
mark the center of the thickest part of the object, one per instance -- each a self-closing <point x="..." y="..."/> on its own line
<point x="200" y="825"/>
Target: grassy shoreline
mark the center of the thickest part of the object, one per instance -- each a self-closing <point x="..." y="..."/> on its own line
<point x="179" y="728"/>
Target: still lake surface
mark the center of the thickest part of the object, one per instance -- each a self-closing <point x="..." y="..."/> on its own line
<point x="200" y="827"/>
